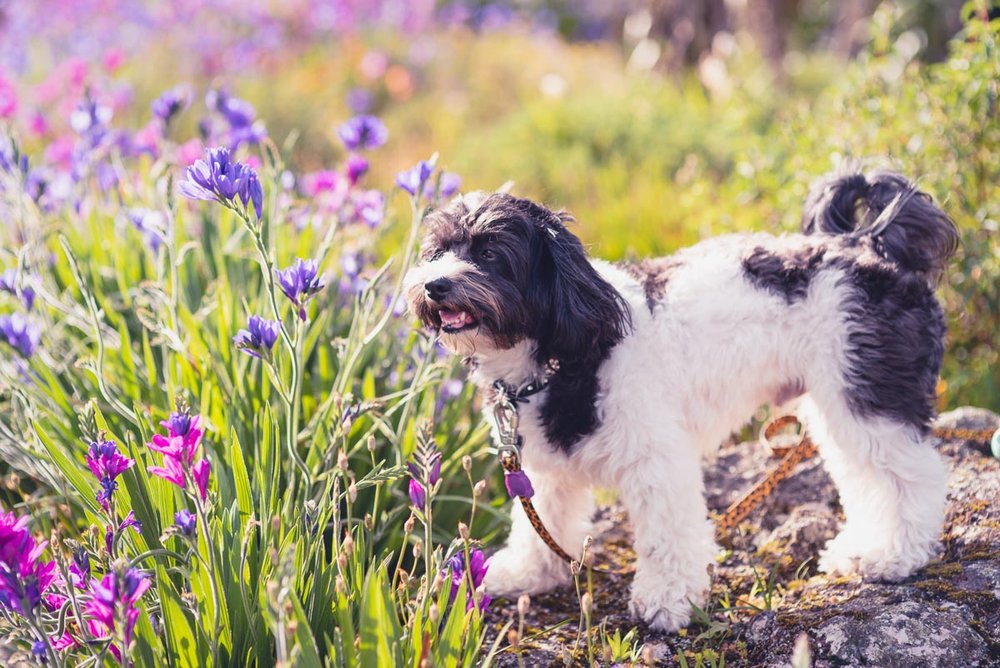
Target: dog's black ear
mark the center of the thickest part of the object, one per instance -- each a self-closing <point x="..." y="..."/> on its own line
<point x="578" y="315"/>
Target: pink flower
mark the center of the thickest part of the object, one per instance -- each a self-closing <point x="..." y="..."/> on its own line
<point x="8" y="98"/>
<point x="106" y="463"/>
<point x="190" y="152"/>
<point x="113" y="592"/>
<point x="201" y="472"/>
<point x="113" y="59"/>
<point x="37" y="124"/>
<point x="23" y="578"/>
<point x="173" y="471"/>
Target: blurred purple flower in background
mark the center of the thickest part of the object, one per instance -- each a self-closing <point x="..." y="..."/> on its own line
<point x="171" y="103"/>
<point x="356" y="167"/>
<point x="300" y="283"/>
<point x="363" y="133"/>
<point x="20" y="333"/>
<point x="16" y="284"/>
<point x="221" y="179"/>
<point x="259" y="337"/>
<point x="412" y="180"/>
<point x="369" y="207"/>
<point x="151" y="224"/>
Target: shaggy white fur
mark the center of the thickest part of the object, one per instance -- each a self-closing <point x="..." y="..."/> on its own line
<point x="693" y="368"/>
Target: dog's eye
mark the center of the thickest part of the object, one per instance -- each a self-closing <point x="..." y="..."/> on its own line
<point x="435" y="255"/>
<point x="487" y="254"/>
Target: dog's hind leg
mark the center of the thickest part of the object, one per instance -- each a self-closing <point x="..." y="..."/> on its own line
<point x="674" y="542"/>
<point x="526" y="565"/>
<point x="892" y="486"/>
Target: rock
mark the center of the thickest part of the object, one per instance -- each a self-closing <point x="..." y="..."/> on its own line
<point x="947" y="614"/>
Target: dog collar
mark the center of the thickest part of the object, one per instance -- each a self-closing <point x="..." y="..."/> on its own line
<point x="519" y="394"/>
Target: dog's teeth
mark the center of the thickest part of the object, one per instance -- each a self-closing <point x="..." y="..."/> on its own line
<point x="454" y="319"/>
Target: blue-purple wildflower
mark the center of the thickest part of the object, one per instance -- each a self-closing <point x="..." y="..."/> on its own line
<point x="20" y="333"/>
<point x="300" y="283"/>
<point x="185" y="522"/>
<point x="151" y="224"/>
<point x="171" y="103"/>
<point x="258" y="338"/>
<point x="10" y="283"/>
<point x="473" y="576"/>
<point x="106" y="463"/>
<point x="218" y="177"/>
<point x="363" y="132"/>
<point x="412" y="180"/>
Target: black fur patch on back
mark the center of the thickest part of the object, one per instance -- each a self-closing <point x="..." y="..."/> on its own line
<point x="653" y="274"/>
<point x="895" y="343"/>
<point x="785" y="272"/>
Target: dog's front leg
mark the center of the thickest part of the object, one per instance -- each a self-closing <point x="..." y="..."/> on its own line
<point x="526" y="565"/>
<point x="674" y="541"/>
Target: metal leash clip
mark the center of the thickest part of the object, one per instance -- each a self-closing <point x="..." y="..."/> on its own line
<point x="507" y="421"/>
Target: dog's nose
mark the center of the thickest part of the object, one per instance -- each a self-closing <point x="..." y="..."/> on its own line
<point x="438" y="289"/>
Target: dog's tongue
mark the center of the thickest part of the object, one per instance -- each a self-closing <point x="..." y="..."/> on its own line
<point x="454" y="319"/>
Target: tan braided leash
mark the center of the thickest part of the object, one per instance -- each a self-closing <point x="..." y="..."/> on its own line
<point x="739" y="510"/>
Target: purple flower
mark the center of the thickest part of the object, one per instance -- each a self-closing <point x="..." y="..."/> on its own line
<point x="183" y="424"/>
<point x="186" y="522"/>
<point x="219" y="178"/>
<point x="435" y="471"/>
<point x="369" y="207"/>
<point x="518" y="484"/>
<point x="449" y="184"/>
<point x="181" y="444"/>
<point x="106" y="463"/>
<point x="478" y="565"/>
<point x="90" y="120"/>
<point x="363" y="132"/>
<point x="39" y="652"/>
<point x="115" y="592"/>
<point x="111" y="532"/>
<point x="79" y="570"/>
<point x="300" y="282"/>
<point x="20" y="333"/>
<point x="238" y="113"/>
<point x="259" y="337"/>
<point x="23" y="578"/>
<point x="151" y="224"/>
<point x="412" y="180"/>
<point x="171" y="103"/>
<point x="18" y="288"/>
<point x="356" y="167"/>
<point x="418" y="496"/>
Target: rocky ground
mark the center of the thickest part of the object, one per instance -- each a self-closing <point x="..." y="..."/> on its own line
<point x="767" y="593"/>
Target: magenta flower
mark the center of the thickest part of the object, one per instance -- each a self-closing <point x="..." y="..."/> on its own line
<point x="23" y="578"/>
<point x="179" y="448"/>
<point x="300" y="283"/>
<point x="106" y="463"/>
<point x="259" y="337"/>
<point x="356" y="167"/>
<point x="115" y="593"/>
<point x="79" y="570"/>
<point x="201" y="471"/>
<point x="363" y="132"/>
<point x="478" y="565"/>
<point x="418" y="496"/>
<point x="412" y="180"/>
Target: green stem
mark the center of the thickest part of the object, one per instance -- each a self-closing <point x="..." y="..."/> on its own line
<point x="213" y="572"/>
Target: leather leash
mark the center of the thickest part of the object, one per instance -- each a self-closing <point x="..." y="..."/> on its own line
<point x="509" y="451"/>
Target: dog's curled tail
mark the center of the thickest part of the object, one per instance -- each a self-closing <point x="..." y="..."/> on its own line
<point x="907" y="227"/>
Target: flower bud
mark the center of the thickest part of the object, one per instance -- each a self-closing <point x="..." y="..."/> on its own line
<point x="513" y="638"/>
<point x="371" y="444"/>
<point x="479" y="488"/>
<point x="523" y="604"/>
<point x="339" y="585"/>
<point x="349" y="545"/>
<point x="352" y="492"/>
<point x="342" y="463"/>
<point x="463" y="530"/>
<point x="467" y="463"/>
<point x="276" y="523"/>
<point x="408" y="524"/>
<point x="342" y="561"/>
<point x="437" y="583"/>
<point x="434" y="613"/>
<point x="586" y="602"/>
<point x="418" y="548"/>
<point x="369" y="522"/>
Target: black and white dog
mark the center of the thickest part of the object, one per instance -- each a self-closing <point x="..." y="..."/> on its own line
<point x="651" y="365"/>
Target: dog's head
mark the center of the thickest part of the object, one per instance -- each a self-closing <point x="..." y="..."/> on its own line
<point x="496" y="269"/>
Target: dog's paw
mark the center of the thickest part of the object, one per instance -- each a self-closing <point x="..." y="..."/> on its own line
<point x="513" y="572"/>
<point x="666" y="609"/>
<point x="848" y="555"/>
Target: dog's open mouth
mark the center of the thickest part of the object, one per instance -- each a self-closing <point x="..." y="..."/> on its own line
<point x="455" y="321"/>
